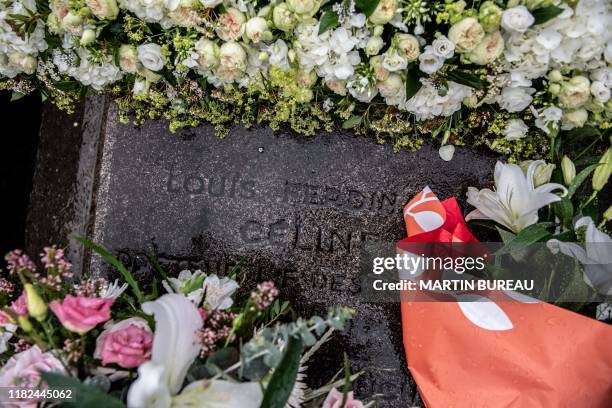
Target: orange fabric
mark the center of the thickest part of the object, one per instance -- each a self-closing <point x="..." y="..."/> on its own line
<point x="550" y="357"/>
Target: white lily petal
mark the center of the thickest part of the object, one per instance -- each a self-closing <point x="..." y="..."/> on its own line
<point x="219" y="394"/>
<point x="150" y="390"/>
<point x="175" y="344"/>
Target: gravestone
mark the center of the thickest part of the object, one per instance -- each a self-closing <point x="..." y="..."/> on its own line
<point x="292" y="209"/>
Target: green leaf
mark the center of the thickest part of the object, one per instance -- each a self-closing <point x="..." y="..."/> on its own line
<point x="544" y="14"/>
<point x="282" y="381"/>
<point x="565" y="211"/>
<point x="506" y="236"/>
<point x="16" y="96"/>
<point x="580" y="178"/>
<point x="413" y="84"/>
<point x="84" y="396"/>
<point x="467" y="79"/>
<point x="110" y="258"/>
<point x="329" y="20"/>
<point x="367" y="6"/>
<point x="531" y="234"/>
<point x="351" y="122"/>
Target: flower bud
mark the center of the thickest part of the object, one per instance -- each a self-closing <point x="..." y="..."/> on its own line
<point x="489" y="16"/>
<point x="378" y="30"/>
<point x="555" y="76"/>
<point x="24" y="323"/>
<point x="374" y="45"/>
<point x="607" y="215"/>
<point x="71" y="21"/>
<point x="554" y="89"/>
<point x="37" y="308"/>
<point x="603" y="171"/>
<point x="88" y="37"/>
<point x="255" y="29"/>
<point x="283" y="18"/>
<point x="569" y="170"/>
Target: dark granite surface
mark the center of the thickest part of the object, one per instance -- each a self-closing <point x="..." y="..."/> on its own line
<point x="291" y="209"/>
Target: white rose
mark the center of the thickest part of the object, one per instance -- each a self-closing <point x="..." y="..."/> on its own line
<point x="391" y="86"/>
<point x="575" y="118"/>
<point x="257" y="29"/>
<point x="208" y="53"/>
<point x="374" y="45"/>
<point x="443" y="47"/>
<point x="230" y="25"/>
<point x="211" y="3"/>
<point x="24" y="62"/>
<point x="489" y="49"/>
<point x="514" y="99"/>
<point x="393" y="60"/>
<point x="283" y="18"/>
<point x="600" y="91"/>
<point x="304" y="8"/>
<point x="603" y="75"/>
<point x="380" y="72"/>
<point x="408" y="45"/>
<point x="87" y="37"/>
<point x="384" y="12"/>
<point x="429" y="61"/>
<point x="128" y="58"/>
<point x="150" y="56"/>
<point x="466" y="34"/>
<point x="515" y="129"/>
<point x="232" y="61"/>
<point x="103" y="9"/>
<point x="517" y="19"/>
<point x="575" y="92"/>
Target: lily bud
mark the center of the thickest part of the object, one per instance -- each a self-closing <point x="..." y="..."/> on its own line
<point x="607" y="215"/>
<point x="603" y="171"/>
<point x="37" y="308"/>
<point x="24" y="323"/>
<point x="569" y="170"/>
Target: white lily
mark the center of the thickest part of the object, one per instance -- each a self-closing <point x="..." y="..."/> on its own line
<point x="175" y="347"/>
<point x="219" y="292"/>
<point x="219" y="394"/>
<point x="596" y="256"/>
<point x="515" y="201"/>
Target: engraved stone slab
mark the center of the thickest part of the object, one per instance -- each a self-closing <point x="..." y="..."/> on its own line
<point x="287" y="208"/>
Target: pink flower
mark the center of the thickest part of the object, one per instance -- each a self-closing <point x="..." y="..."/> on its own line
<point x="23" y="370"/>
<point x="81" y="314"/>
<point x="334" y="400"/>
<point x="20" y="306"/>
<point x="127" y="343"/>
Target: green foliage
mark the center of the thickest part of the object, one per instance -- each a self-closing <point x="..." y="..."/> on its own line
<point x="281" y="384"/>
<point x="545" y="14"/>
<point x="329" y="20"/>
<point x="85" y="396"/>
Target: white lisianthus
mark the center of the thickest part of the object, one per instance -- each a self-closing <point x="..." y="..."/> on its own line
<point x="384" y="12"/>
<point x="151" y="57"/>
<point x="153" y="11"/>
<point x="515" y="129"/>
<point x="374" y="45"/>
<point x="429" y="61"/>
<point x="515" y="99"/>
<point x="96" y="74"/>
<point x="408" y="45"/>
<point x="23" y="62"/>
<point x="517" y="19"/>
<point x="393" y="60"/>
<point x="208" y="53"/>
<point x="443" y="47"/>
<point x="283" y="18"/>
<point x="128" y="58"/>
<point x="257" y="30"/>
<point x="279" y="53"/>
<point x="547" y="118"/>
<point x="380" y="72"/>
<point x="489" y="49"/>
<point x="232" y="62"/>
<point x="103" y="9"/>
<point x="466" y="34"/>
<point x="600" y="91"/>
<point x="575" y="92"/>
<point x="575" y="118"/>
<point x="231" y="24"/>
<point x="218" y="292"/>
<point x="429" y="103"/>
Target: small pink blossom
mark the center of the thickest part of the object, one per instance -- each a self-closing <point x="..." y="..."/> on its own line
<point x="81" y="314"/>
<point x="334" y="400"/>
<point x="16" y="261"/>
<point x="127" y="343"/>
<point x="20" y="306"/>
<point x="203" y="313"/>
<point x="24" y="368"/>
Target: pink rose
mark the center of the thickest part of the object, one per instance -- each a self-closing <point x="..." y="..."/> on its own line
<point x="334" y="400"/>
<point x="81" y="314"/>
<point x="23" y="370"/>
<point x="20" y="306"/>
<point x="127" y="343"/>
